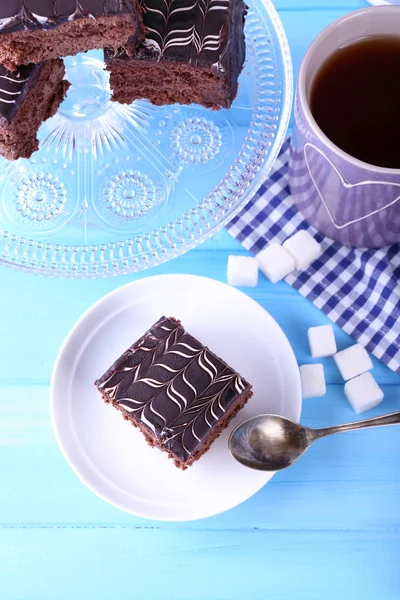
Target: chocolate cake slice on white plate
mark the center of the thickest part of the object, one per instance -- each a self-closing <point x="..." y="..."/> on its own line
<point x="175" y="390"/>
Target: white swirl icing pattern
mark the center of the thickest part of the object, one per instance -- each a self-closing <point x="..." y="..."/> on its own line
<point x="56" y="11"/>
<point x="179" y="394"/>
<point x="12" y="84"/>
<point x="7" y="22"/>
<point x="137" y="359"/>
<point x="195" y="27"/>
<point x="25" y="17"/>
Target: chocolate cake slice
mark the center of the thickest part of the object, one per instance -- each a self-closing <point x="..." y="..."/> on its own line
<point x="28" y="96"/>
<point x="175" y="390"/>
<point x="193" y="52"/>
<point x="35" y="30"/>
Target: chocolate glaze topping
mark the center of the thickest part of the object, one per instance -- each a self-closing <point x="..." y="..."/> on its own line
<point x="45" y="14"/>
<point x="205" y="33"/>
<point x="174" y="385"/>
<point x="12" y="86"/>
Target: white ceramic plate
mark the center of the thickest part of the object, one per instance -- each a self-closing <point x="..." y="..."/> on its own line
<point x="108" y="454"/>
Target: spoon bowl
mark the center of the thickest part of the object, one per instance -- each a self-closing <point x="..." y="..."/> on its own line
<point x="269" y="442"/>
<point x="273" y="443"/>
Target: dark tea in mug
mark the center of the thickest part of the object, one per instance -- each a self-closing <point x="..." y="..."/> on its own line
<point x="355" y="99"/>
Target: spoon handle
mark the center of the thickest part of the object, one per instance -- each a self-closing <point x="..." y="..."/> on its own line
<point x="391" y="419"/>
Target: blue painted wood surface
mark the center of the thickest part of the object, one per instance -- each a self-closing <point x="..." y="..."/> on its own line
<point x="327" y="528"/>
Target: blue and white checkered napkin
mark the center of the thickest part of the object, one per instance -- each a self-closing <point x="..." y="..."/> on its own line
<point x="357" y="289"/>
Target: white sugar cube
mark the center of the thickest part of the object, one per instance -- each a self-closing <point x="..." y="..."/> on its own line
<point x="322" y="341"/>
<point x="303" y="248"/>
<point x="312" y="381"/>
<point x="275" y="262"/>
<point x="363" y="393"/>
<point x="242" y="271"/>
<point x="353" y="361"/>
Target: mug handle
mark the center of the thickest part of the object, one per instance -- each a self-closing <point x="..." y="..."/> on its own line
<point x="346" y="185"/>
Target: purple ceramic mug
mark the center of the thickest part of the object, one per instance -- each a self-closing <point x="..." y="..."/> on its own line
<point x="344" y="198"/>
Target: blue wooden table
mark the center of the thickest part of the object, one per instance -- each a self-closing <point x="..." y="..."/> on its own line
<point x="327" y="528"/>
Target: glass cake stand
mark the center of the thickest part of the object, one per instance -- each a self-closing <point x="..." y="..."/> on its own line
<point x="115" y="189"/>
